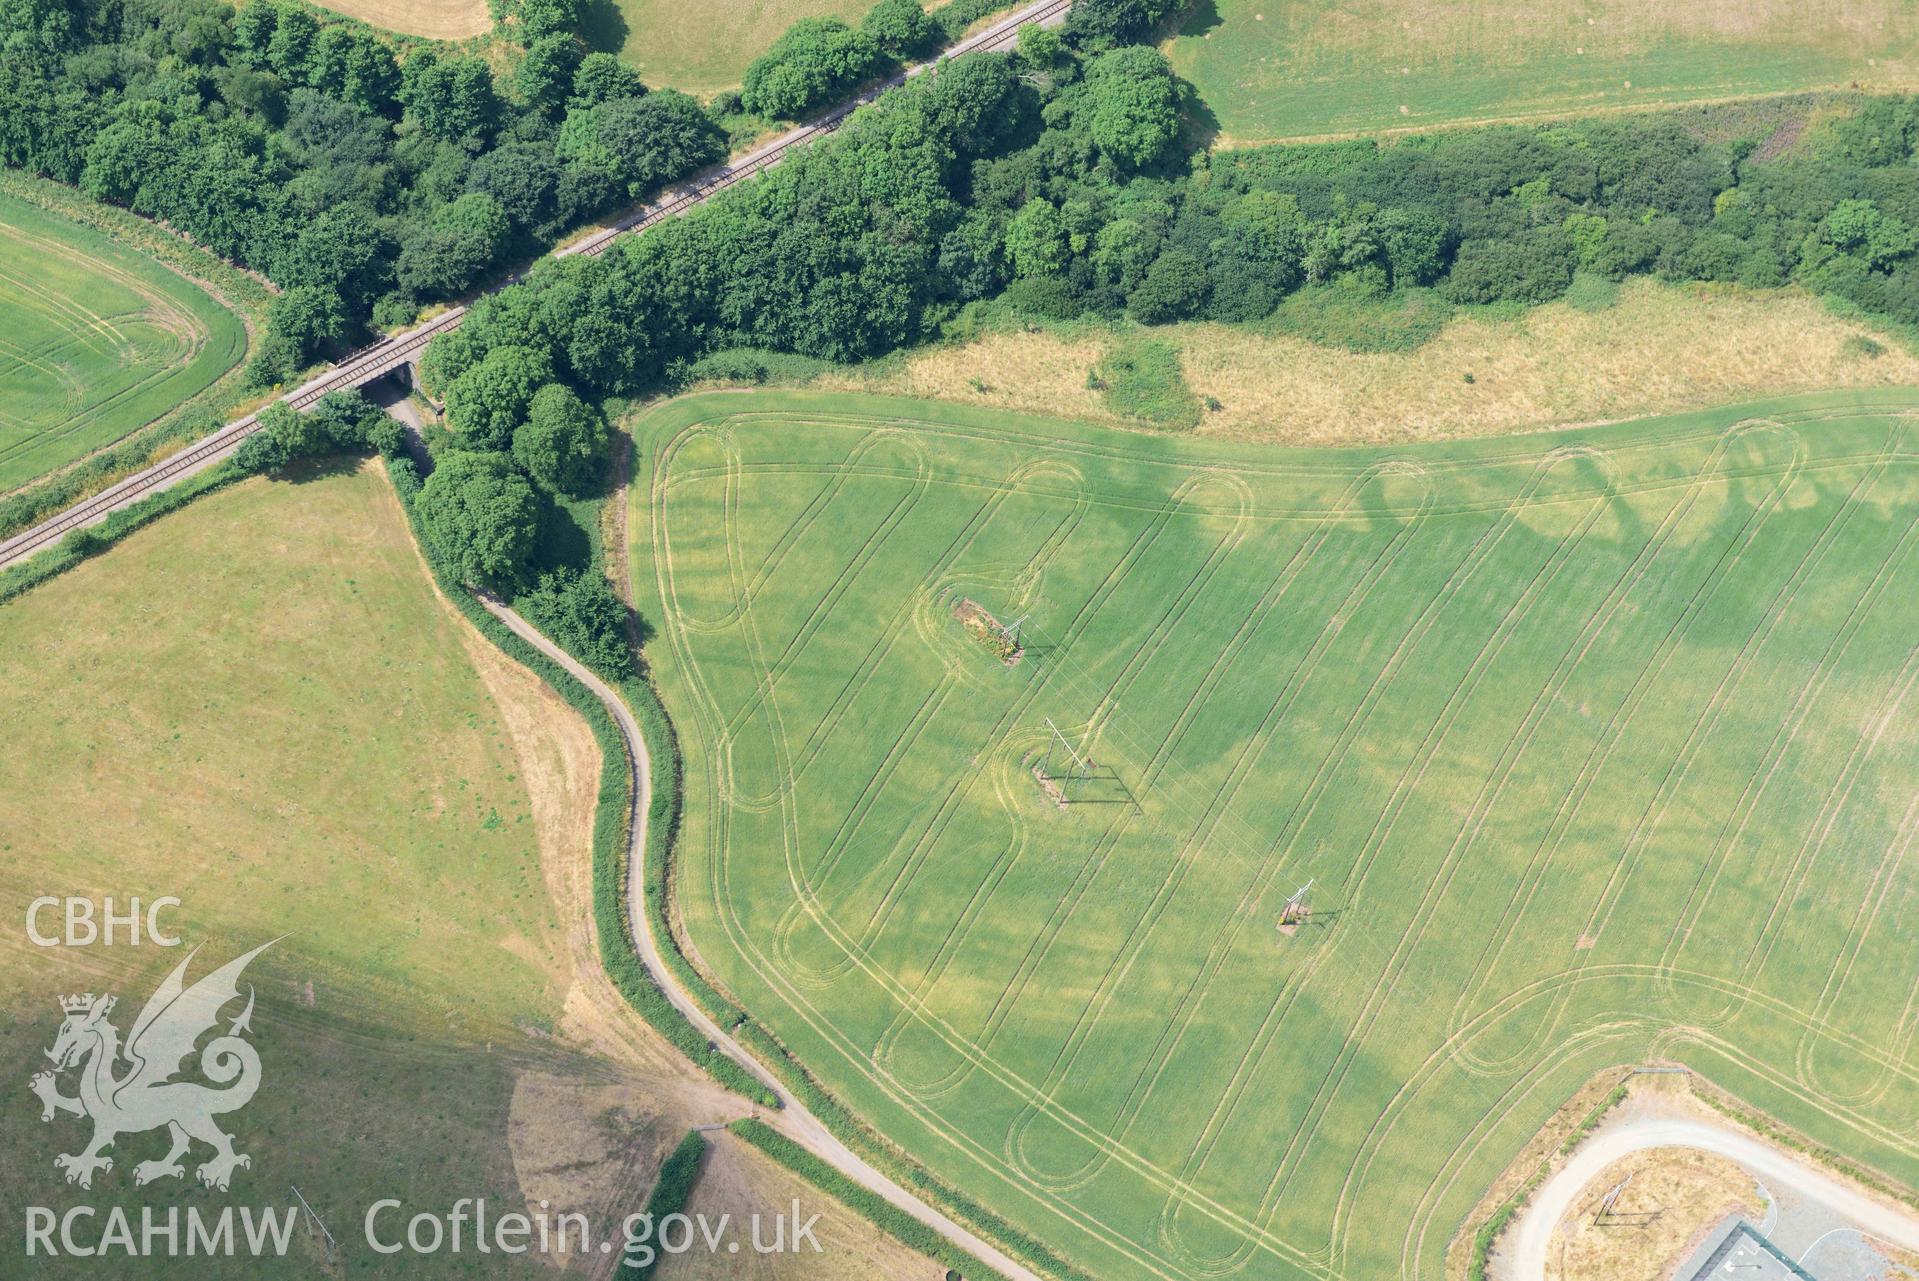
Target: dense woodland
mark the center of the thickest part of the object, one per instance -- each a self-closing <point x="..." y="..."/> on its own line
<point x="1063" y="181"/>
<point x="1068" y="179"/>
<point x="362" y="177"/>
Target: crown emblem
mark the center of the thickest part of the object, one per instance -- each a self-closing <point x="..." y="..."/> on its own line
<point x="145" y="1094"/>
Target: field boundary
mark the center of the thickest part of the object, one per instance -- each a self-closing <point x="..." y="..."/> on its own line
<point x="1224" y="143"/>
<point x="614" y="812"/>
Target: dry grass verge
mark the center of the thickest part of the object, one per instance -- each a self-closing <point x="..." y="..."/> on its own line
<point x="1676" y="1195"/>
<point x="1657" y="349"/>
<point x="739" y="1180"/>
<point x="433" y="19"/>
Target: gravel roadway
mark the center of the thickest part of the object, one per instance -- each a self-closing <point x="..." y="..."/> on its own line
<point x="793" y="1119"/>
<point x="1532" y="1232"/>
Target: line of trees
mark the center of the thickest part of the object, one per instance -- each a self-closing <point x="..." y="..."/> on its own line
<point x="1504" y="214"/>
<point x="1065" y="181"/>
<point x="817" y="62"/>
<point x="363" y="179"/>
<point x="483" y="509"/>
<point x="820" y="61"/>
<point x="835" y="253"/>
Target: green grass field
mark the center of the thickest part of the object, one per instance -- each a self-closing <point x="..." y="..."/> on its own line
<point x="259" y="706"/>
<point x="1595" y="746"/>
<point x="95" y="340"/>
<point x="1272" y="69"/>
<point x="703" y="48"/>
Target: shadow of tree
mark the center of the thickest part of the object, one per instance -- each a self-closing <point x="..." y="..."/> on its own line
<point x="603" y="26"/>
<point x="1196" y="19"/>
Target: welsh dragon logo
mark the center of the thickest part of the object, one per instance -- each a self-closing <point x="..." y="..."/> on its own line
<point x="145" y="1095"/>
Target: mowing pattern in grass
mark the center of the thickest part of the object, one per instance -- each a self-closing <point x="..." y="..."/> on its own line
<point x="94" y="341"/>
<point x="1307" y="68"/>
<point x="1594" y="746"/>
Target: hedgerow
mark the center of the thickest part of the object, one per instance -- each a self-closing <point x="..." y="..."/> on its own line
<point x="888" y="1217"/>
<point x="612" y="816"/>
<point x="678" y="1173"/>
<point x="81" y="544"/>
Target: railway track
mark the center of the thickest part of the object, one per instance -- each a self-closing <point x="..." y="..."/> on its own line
<point x="381" y="358"/>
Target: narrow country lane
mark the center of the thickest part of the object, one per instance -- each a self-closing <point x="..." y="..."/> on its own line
<point x="794" y="1120"/>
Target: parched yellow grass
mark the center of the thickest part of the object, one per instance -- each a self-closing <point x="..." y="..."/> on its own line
<point x="740" y="1180"/>
<point x="434" y="19"/>
<point x="1037" y="373"/>
<point x="1658" y="349"/>
<point x="1675" y="1197"/>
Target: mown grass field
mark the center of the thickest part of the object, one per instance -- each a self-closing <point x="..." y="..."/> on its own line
<point x="259" y="706"/>
<point x="1273" y="69"/>
<point x="1595" y="746"/>
<point x="95" y="341"/>
<point x="433" y="19"/>
<point x="703" y="48"/>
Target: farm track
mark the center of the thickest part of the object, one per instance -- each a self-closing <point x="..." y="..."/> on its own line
<point x="1533" y="1229"/>
<point x="798" y="970"/>
<point x="794" y="1119"/>
<point x="383" y="357"/>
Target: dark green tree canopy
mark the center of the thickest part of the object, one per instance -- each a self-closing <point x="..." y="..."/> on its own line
<point x="35" y="27"/>
<point x="579" y="610"/>
<point x="900" y="28"/>
<point x="522" y="178"/>
<point x="655" y="139"/>
<point x="562" y="443"/>
<point x="817" y="61"/>
<point x="540" y="19"/>
<point x="294" y="142"/>
<point x="1132" y="105"/>
<point x="1174" y="288"/>
<point x="601" y="77"/>
<point x="340" y="422"/>
<point x="453" y="100"/>
<point x="1101" y="23"/>
<point x="482" y="516"/>
<point x="487" y="401"/>
<point x="545" y="75"/>
<point x="448" y="255"/>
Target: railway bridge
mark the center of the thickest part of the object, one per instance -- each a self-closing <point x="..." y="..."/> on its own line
<point x="405" y="348"/>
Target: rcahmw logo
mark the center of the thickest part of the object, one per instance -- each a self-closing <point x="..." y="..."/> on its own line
<point x="131" y="1088"/>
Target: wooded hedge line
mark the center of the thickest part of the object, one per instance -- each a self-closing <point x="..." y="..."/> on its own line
<point x="671" y="1191"/>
